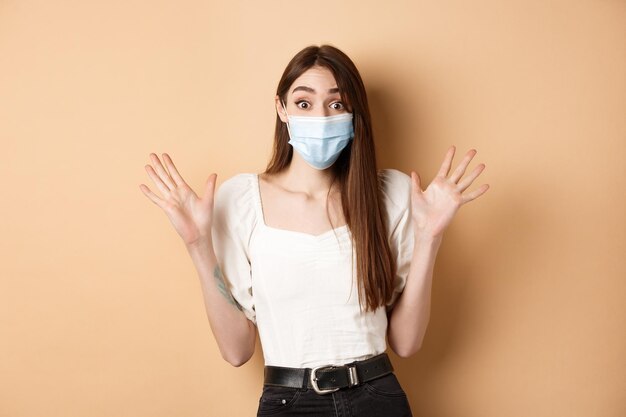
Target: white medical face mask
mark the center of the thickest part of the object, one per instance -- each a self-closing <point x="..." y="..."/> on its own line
<point x="319" y="139"/>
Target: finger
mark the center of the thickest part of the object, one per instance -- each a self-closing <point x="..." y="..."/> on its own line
<point x="445" y="166"/>
<point x="474" y="194"/>
<point x="165" y="176"/>
<point x="152" y="196"/>
<point x="157" y="180"/>
<point x="460" y="170"/>
<point x="467" y="181"/>
<point x="178" y="179"/>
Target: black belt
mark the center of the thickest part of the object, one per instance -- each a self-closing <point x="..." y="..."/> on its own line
<point x="329" y="378"/>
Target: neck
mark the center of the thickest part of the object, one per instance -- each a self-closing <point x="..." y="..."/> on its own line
<point x="301" y="177"/>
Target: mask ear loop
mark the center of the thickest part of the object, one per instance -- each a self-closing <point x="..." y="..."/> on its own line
<point x="287" y="123"/>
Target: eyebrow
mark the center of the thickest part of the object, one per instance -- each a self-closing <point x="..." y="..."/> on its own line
<point x="310" y="90"/>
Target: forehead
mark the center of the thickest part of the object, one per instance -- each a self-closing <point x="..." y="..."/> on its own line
<point x="319" y="78"/>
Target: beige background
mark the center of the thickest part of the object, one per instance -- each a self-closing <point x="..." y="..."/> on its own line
<point x="101" y="312"/>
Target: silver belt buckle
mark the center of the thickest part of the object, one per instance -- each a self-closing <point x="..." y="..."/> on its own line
<point x="354" y="379"/>
<point x="313" y="378"/>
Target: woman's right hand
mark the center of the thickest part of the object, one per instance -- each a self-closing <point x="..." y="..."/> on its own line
<point x="190" y="215"/>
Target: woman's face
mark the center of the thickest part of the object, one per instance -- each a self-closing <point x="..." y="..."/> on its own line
<point x="314" y="93"/>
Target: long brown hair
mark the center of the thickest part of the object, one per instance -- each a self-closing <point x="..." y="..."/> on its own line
<point x="355" y="170"/>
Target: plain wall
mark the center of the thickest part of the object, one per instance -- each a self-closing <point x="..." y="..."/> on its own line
<point x="101" y="312"/>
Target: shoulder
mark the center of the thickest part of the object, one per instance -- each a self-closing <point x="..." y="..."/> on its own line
<point x="396" y="188"/>
<point x="234" y="190"/>
<point x="234" y="198"/>
<point x="237" y="184"/>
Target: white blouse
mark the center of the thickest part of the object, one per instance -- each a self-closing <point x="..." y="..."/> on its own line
<point x="297" y="288"/>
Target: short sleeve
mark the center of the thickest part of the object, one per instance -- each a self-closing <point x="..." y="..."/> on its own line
<point x="233" y="220"/>
<point x="396" y="191"/>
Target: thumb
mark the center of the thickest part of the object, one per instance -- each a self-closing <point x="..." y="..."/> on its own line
<point x="416" y="182"/>
<point x="209" y="190"/>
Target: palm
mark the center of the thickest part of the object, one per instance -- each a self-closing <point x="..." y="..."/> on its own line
<point x="187" y="213"/>
<point x="433" y="209"/>
<point x="190" y="215"/>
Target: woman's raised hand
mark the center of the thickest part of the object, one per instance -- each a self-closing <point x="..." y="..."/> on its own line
<point x="190" y="215"/>
<point x="434" y="208"/>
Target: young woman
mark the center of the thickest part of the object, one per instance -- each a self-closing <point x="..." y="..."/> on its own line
<point x="323" y="253"/>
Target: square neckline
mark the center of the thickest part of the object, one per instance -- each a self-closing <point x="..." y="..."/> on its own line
<point x="294" y="232"/>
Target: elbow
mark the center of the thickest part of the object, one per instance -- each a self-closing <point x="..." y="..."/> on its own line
<point x="243" y="351"/>
<point x="407" y="353"/>
<point x="237" y="360"/>
<point x="406" y="349"/>
<point x="406" y="346"/>
<point x="240" y="356"/>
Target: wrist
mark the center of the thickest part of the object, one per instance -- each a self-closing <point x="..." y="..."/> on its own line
<point x="202" y="244"/>
<point x="424" y="237"/>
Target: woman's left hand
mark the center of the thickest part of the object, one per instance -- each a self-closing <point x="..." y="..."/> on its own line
<point x="433" y="209"/>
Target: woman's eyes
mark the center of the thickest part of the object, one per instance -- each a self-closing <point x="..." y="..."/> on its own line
<point x="298" y="103"/>
<point x="337" y="105"/>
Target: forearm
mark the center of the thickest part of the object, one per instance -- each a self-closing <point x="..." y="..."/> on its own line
<point x="234" y="333"/>
<point x="411" y="313"/>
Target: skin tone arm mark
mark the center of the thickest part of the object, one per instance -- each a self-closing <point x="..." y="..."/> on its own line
<point x="221" y="285"/>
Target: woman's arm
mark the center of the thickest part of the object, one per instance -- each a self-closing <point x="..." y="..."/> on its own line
<point x="234" y="333"/>
<point x="192" y="217"/>
<point x="410" y="315"/>
<point x="432" y="211"/>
